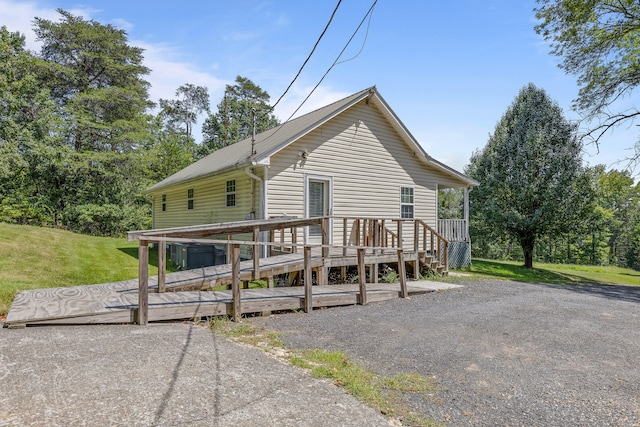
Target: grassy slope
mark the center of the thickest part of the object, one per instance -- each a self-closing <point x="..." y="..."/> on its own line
<point x="554" y="273"/>
<point x="34" y="257"/>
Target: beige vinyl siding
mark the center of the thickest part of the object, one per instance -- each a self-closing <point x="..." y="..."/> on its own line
<point x="369" y="164"/>
<point x="209" y="201"/>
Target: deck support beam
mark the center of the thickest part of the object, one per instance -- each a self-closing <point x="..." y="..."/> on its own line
<point x="256" y="253"/>
<point x="162" y="265"/>
<point x="142" y="315"/>
<point x="235" y="282"/>
<point x="308" y="281"/>
<point x="402" y="274"/>
<point x="362" y="278"/>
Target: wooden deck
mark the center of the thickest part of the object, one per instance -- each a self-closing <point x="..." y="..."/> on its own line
<point x="117" y="302"/>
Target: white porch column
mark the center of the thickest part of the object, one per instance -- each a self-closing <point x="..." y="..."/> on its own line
<point x="466" y="213"/>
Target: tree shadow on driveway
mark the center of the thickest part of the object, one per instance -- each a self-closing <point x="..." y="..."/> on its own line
<point x="616" y="292"/>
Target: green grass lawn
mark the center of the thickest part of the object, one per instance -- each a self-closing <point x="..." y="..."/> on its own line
<point x="553" y="273"/>
<point x="34" y="257"/>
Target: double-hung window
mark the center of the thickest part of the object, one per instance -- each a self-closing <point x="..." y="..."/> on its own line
<point x="164" y="203"/>
<point x="231" y="193"/>
<point x="406" y="202"/>
<point x="190" y="199"/>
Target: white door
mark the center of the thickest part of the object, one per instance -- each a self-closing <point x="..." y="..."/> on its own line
<point x="318" y="202"/>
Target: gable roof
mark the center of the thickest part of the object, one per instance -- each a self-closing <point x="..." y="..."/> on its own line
<point x="273" y="140"/>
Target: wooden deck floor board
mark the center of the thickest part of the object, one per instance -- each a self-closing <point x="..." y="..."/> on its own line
<point x="116" y="302"/>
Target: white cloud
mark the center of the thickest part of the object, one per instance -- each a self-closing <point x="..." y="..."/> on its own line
<point x="18" y="16"/>
<point x="168" y="72"/>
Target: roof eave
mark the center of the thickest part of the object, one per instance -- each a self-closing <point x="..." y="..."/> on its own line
<point x="242" y="165"/>
<point x="408" y="136"/>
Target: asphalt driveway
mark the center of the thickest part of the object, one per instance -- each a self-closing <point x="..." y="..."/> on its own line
<point x="503" y="353"/>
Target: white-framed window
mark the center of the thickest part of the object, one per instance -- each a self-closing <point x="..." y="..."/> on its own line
<point x="164" y="203"/>
<point x="190" y="199"/>
<point x="231" y="193"/>
<point x="406" y="202"/>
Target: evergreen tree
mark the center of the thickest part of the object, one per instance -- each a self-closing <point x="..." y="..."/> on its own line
<point x="233" y="121"/>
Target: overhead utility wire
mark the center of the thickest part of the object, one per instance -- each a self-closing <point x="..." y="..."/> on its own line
<point x="369" y="12"/>
<point x="308" y="57"/>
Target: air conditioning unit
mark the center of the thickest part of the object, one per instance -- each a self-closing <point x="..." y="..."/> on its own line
<point x="189" y="256"/>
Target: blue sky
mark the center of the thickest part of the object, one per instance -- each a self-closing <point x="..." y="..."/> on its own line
<point x="448" y="69"/>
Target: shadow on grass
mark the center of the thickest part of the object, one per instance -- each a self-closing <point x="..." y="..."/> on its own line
<point x="552" y="279"/>
<point x="530" y="275"/>
<point x="133" y="252"/>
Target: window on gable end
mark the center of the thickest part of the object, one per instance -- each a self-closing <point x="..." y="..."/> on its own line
<point x="164" y="203"/>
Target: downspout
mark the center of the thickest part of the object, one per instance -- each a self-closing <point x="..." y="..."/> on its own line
<point x="262" y="208"/>
<point x="248" y="171"/>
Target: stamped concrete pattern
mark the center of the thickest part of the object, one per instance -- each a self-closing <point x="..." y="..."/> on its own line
<point x="159" y="375"/>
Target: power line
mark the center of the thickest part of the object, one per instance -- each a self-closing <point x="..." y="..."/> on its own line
<point x="335" y="62"/>
<point x="308" y="57"/>
<point x="369" y="12"/>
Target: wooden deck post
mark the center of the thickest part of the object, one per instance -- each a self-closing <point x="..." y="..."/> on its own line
<point x="256" y="253"/>
<point x="143" y="283"/>
<point x="323" y="272"/>
<point x="344" y="236"/>
<point x="162" y="265"/>
<point x="294" y="239"/>
<point x="431" y="243"/>
<point x="400" y="242"/>
<point x="235" y="282"/>
<point x="416" y="248"/>
<point x="362" y="278"/>
<point x="357" y="229"/>
<point x="229" y="256"/>
<point x="326" y="240"/>
<point x="402" y="274"/>
<point x="373" y="276"/>
<point x="446" y="255"/>
<point x="308" y="278"/>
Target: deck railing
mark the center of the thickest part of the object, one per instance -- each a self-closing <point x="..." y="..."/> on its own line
<point x="364" y="235"/>
<point x="454" y="230"/>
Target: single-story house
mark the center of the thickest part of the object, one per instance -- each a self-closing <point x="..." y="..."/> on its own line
<point x="351" y="158"/>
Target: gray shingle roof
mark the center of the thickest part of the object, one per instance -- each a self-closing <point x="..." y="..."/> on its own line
<point x="273" y="140"/>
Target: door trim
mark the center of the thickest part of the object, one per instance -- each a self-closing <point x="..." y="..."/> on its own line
<point x="329" y="180"/>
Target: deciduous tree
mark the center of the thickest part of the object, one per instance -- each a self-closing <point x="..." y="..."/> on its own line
<point x="530" y="172"/>
<point x="598" y="41"/>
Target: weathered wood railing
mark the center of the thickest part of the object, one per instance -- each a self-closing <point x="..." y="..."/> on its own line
<point x="366" y="235"/>
<point x="437" y="244"/>
<point x="142" y="313"/>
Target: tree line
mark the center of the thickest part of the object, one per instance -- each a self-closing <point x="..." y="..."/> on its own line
<point x="80" y="139"/>
<point x="537" y="202"/>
